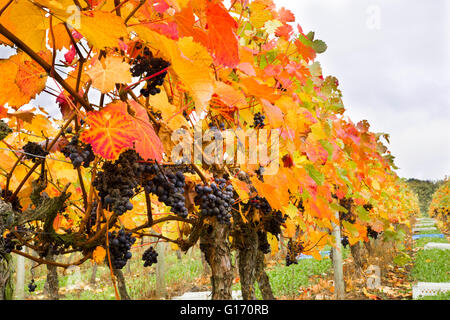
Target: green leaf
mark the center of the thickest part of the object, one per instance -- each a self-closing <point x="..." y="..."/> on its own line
<point x="350" y="227"/>
<point x="316" y="175"/>
<point x="363" y="214"/>
<point x="310" y="35"/>
<point x="319" y="46"/>
<point x="337" y="207"/>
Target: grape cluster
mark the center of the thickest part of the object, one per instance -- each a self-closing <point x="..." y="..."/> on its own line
<point x="150" y="257"/>
<point x="93" y="214"/>
<point x="263" y="244"/>
<point x="294" y="249"/>
<point x="169" y="187"/>
<point x="215" y="200"/>
<point x="9" y="243"/>
<point x="372" y="233"/>
<point x="262" y="204"/>
<point x="119" y="247"/>
<point x="146" y="65"/>
<point x="347" y="216"/>
<point x="258" y="120"/>
<point x="34" y="151"/>
<point x="32" y="286"/>
<point x="79" y="155"/>
<point x="273" y="221"/>
<point x="344" y="241"/>
<point x="117" y="181"/>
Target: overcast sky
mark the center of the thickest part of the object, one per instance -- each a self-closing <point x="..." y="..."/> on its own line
<point x="392" y="61"/>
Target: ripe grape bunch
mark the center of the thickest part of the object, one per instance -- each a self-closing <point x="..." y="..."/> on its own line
<point x="79" y="155"/>
<point x="344" y="241"/>
<point x="272" y="222"/>
<point x="150" y="257"/>
<point x="372" y="233"/>
<point x="9" y="243"/>
<point x="146" y="65"/>
<point x="215" y="200"/>
<point x="93" y="215"/>
<point x="33" y="151"/>
<point x="347" y="216"/>
<point x="294" y="249"/>
<point x="262" y="204"/>
<point x="119" y="247"/>
<point x="117" y="181"/>
<point x="258" y="120"/>
<point x="32" y="286"/>
<point x="169" y="187"/>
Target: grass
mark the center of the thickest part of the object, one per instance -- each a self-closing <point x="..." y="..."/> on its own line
<point x="431" y="265"/>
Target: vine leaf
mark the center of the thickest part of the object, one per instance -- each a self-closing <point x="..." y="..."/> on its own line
<point x="99" y="254"/>
<point x="104" y="77"/>
<point x="222" y="37"/>
<point x="22" y="79"/>
<point x="149" y="146"/>
<point x="111" y="131"/>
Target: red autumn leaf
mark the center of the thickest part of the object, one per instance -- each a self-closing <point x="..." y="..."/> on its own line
<point x="70" y="55"/>
<point x="287" y="161"/>
<point x="185" y="22"/>
<point x="222" y="37"/>
<point x="285" y="15"/>
<point x="169" y="30"/>
<point x="149" y="146"/>
<point x="111" y="131"/>
<point x="285" y="31"/>
<point x="315" y="152"/>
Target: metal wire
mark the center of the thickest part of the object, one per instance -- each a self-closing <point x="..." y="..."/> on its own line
<point x="35" y="155"/>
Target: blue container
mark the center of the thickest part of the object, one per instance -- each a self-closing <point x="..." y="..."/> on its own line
<point x="433" y="235"/>
<point x="307" y="256"/>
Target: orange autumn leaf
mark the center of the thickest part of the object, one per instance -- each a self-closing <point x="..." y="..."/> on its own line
<point x="149" y="146"/>
<point x="221" y="31"/>
<point x="99" y="254"/>
<point x="274" y="114"/>
<point x="22" y="79"/>
<point x="111" y="131"/>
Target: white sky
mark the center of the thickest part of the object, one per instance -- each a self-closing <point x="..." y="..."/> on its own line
<point x="392" y="61"/>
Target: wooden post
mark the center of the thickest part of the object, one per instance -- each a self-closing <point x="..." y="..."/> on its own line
<point x="161" y="290"/>
<point x="20" y="277"/>
<point x="339" y="287"/>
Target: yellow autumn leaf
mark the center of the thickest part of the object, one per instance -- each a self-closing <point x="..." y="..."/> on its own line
<point x="104" y="77"/>
<point x="259" y="13"/>
<point x="273" y="241"/>
<point x="99" y="254"/>
<point x="291" y="211"/>
<point x="102" y="29"/>
<point x="127" y="221"/>
<point x="376" y="185"/>
<point x="27" y="21"/>
<point x="317" y="132"/>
